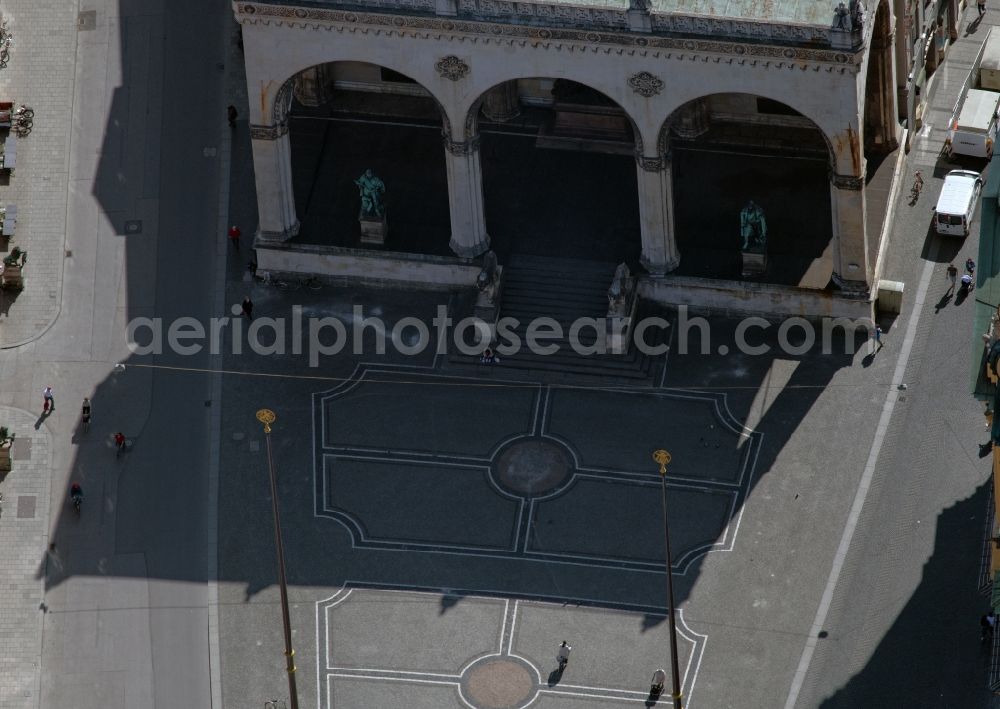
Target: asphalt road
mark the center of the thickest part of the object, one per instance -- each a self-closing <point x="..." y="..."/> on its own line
<point x="126" y="584"/>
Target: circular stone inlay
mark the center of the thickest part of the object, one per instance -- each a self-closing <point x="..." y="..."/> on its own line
<point x="498" y="684"/>
<point x="532" y="467"/>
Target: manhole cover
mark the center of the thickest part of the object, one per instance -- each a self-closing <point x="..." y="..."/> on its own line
<point x="498" y="683"/>
<point x="87" y="20"/>
<point x="133" y="226"/>
<point x="532" y="467"/>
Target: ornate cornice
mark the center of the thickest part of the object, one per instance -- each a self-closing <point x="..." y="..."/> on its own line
<point x="642" y="45"/>
<point x="258" y="132"/>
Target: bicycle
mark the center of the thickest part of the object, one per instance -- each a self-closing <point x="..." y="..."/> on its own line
<point x="312" y="283"/>
<point x="24" y="113"/>
<point x="280" y="284"/>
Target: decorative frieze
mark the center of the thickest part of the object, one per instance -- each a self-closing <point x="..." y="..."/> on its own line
<point x="649" y="164"/>
<point x="460" y="148"/>
<point x="451" y="67"/>
<point x="847" y="182"/>
<point x="605" y="40"/>
<point x="258" y="132"/>
<point x="645" y="84"/>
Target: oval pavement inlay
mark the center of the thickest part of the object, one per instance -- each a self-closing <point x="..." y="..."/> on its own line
<point x="532" y="467"/>
<point x="499" y="683"/>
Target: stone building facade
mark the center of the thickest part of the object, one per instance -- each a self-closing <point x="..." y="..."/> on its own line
<point x="675" y="71"/>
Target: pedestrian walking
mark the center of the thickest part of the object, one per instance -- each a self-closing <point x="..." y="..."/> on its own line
<point x="878" y="336"/>
<point x="562" y="655"/>
<point x="952" y="275"/>
<point x="48" y="401"/>
<point x="987" y="624"/>
<point x="234" y="236"/>
<point x="248" y="308"/>
<point x="232" y="114"/>
<point x="981" y="6"/>
<point x="119" y="443"/>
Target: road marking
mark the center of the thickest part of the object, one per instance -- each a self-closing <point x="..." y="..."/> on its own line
<point x="864" y="485"/>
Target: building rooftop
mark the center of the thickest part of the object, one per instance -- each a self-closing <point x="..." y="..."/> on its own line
<point x="702" y="13"/>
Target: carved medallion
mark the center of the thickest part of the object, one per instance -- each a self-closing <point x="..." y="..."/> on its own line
<point x="451" y="67"/>
<point x="645" y="84"/>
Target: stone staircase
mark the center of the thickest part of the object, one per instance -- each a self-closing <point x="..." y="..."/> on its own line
<point x="564" y="290"/>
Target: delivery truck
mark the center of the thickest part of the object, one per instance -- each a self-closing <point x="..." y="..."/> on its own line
<point x="973" y="127"/>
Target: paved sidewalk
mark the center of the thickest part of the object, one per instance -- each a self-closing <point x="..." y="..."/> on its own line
<point x="23" y="541"/>
<point x="40" y="74"/>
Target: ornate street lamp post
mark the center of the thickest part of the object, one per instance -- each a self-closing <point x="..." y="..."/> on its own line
<point x="267" y="417"/>
<point x="662" y="458"/>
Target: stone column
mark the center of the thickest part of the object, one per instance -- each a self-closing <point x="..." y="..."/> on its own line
<point x="501" y="102"/>
<point x="272" y="160"/>
<point x="851" y="269"/>
<point x="465" y="197"/>
<point x="656" y="214"/>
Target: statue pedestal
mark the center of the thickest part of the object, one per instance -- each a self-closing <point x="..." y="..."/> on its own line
<point x="754" y="264"/>
<point x="373" y="230"/>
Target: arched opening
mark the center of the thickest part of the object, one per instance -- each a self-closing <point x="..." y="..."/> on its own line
<point x="880" y="109"/>
<point x="559" y="171"/>
<point x="347" y="117"/>
<point x="728" y="149"/>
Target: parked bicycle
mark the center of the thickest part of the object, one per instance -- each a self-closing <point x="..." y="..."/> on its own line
<point x="270" y="280"/>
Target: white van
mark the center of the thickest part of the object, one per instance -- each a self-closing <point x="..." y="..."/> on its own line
<point x="957" y="203"/>
<point x="973" y="131"/>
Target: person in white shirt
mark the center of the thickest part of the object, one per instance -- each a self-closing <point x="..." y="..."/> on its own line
<point x="563" y="655"/>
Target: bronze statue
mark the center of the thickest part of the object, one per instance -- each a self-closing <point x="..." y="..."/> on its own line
<point x="372" y="189"/>
<point x="753" y="227"/>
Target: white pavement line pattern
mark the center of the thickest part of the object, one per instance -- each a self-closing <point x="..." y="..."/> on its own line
<point x="327" y="455"/>
<point x="864" y="485"/>
<point x="504" y="649"/>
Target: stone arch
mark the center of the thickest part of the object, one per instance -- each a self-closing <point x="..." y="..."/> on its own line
<point x="471" y="113"/>
<point x="567" y="128"/>
<point x="879" y="97"/>
<point x="663" y="135"/>
<point x="748" y="146"/>
<point x="282" y="101"/>
<point x="311" y="152"/>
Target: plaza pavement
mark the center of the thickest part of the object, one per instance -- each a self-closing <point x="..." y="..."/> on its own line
<point x="409" y="594"/>
<point x="431" y="564"/>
